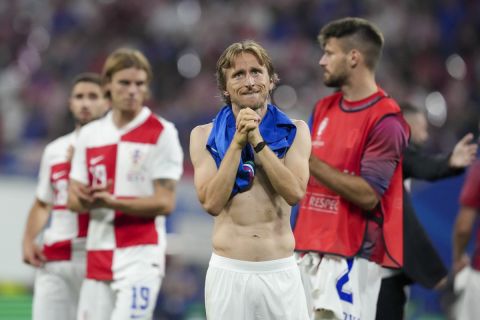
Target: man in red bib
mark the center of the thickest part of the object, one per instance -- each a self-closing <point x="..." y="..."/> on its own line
<point x="350" y="222"/>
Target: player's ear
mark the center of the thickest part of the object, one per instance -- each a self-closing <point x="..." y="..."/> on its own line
<point x="354" y="57"/>
<point x="225" y="93"/>
<point x="271" y="85"/>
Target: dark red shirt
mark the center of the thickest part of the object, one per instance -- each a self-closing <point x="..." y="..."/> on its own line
<point x="470" y="197"/>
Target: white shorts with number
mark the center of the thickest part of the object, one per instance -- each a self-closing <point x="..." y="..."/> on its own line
<point x="339" y="288"/>
<point x="133" y="297"/>
<point x="57" y="288"/>
<point x="239" y="290"/>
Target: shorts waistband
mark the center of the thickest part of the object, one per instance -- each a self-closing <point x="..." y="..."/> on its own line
<point x="252" y="266"/>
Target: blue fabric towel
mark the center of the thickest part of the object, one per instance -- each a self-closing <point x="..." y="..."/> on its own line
<point x="277" y="130"/>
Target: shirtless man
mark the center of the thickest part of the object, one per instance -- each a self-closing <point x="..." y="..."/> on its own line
<point x="251" y="166"/>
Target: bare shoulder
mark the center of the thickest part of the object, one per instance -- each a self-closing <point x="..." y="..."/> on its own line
<point x="302" y="127"/>
<point x="200" y="133"/>
<point x="300" y="124"/>
<point x="198" y="140"/>
<point x="201" y="130"/>
<point x="302" y="138"/>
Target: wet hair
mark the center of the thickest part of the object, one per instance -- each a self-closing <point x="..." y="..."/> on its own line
<point x="125" y="58"/>
<point x="355" y="33"/>
<point x="228" y="56"/>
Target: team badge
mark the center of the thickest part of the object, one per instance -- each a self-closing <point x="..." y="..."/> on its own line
<point x="317" y="139"/>
<point x="136" y="174"/>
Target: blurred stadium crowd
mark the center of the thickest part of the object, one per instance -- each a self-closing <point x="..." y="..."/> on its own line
<point x="431" y="58"/>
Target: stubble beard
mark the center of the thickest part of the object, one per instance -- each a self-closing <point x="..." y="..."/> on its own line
<point x="255" y="107"/>
<point x="258" y="105"/>
<point x="335" y="81"/>
<point x="82" y="122"/>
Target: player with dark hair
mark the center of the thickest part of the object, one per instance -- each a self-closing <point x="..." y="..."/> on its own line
<point x="60" y="261"/>
<point x="349" y="223"/>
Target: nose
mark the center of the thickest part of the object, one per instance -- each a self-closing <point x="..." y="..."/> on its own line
<point x="85" y="102"/>
<point x="322" y="61"/>
<point x="250" y="80"/>
<point x="132" y="89"/>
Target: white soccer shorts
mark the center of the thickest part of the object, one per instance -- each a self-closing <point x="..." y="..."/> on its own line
<point x="339" y="288"/>
<point x="133" y="297"/>
<point x="239" y="290"/>
<point x="57" y="288"/>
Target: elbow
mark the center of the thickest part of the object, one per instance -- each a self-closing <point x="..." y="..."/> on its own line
<point x="463" y="232"/>
<point x="369" y="203"/>
<point x="211" y="208"/>
<point x="211" y="205"/>
<point x="165" y="208"/>
<point x="295" y="197"/>
<point x="72" y="205"/>
<point x="293" y="201"/>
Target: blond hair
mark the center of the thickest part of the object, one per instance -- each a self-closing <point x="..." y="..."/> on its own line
<point x="228" y="56"/>
<point x="125" y="58"/>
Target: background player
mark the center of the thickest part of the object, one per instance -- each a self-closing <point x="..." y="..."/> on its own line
<point x="60" y="261"/>
<point x="353" y="206"/>
<point x="124" y="170"/>
<point x="467" y="282"/>
<point x="422" y="263"/>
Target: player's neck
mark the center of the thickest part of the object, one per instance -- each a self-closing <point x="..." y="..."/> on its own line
<point x="121" y="118"/>
<point x="359" y="87"/>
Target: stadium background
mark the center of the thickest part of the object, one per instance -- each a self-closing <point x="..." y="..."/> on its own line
<point x="431" y="58"/>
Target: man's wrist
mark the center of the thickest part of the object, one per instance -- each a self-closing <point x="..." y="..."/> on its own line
<point x="259" y="146"/>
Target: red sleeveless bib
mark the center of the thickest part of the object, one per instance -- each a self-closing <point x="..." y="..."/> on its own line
<point x="326" y="222"/>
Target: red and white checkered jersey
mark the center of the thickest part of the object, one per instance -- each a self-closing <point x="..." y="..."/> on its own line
<point x="130" y="159"/>
<point x="64" y="237"/>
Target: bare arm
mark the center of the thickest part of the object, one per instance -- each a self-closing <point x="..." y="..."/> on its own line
<point x="352" y="188"/>
<point x="289" y="179"/>
<point x="213" y="186"/>
<point x="37" y="218"/>
<point x="383" y="151"/>
<point x="462" y="232"/>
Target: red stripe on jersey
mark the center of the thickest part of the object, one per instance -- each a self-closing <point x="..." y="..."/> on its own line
<point x="99" y="264"/>
<point x="59" y="171"/>
<point x="59" y="181"/>
<point x="148" y="132"/>
<point x="83" y="220"/>
<point x="58" y="251"/>
<point x="101" y="163"/>
<point x="134" y="231"/>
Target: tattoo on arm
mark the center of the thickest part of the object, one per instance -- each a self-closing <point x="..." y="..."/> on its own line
<point x="168" y="184"/>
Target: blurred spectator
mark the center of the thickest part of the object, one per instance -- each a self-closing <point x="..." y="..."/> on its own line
<point x="46" y="44"/>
